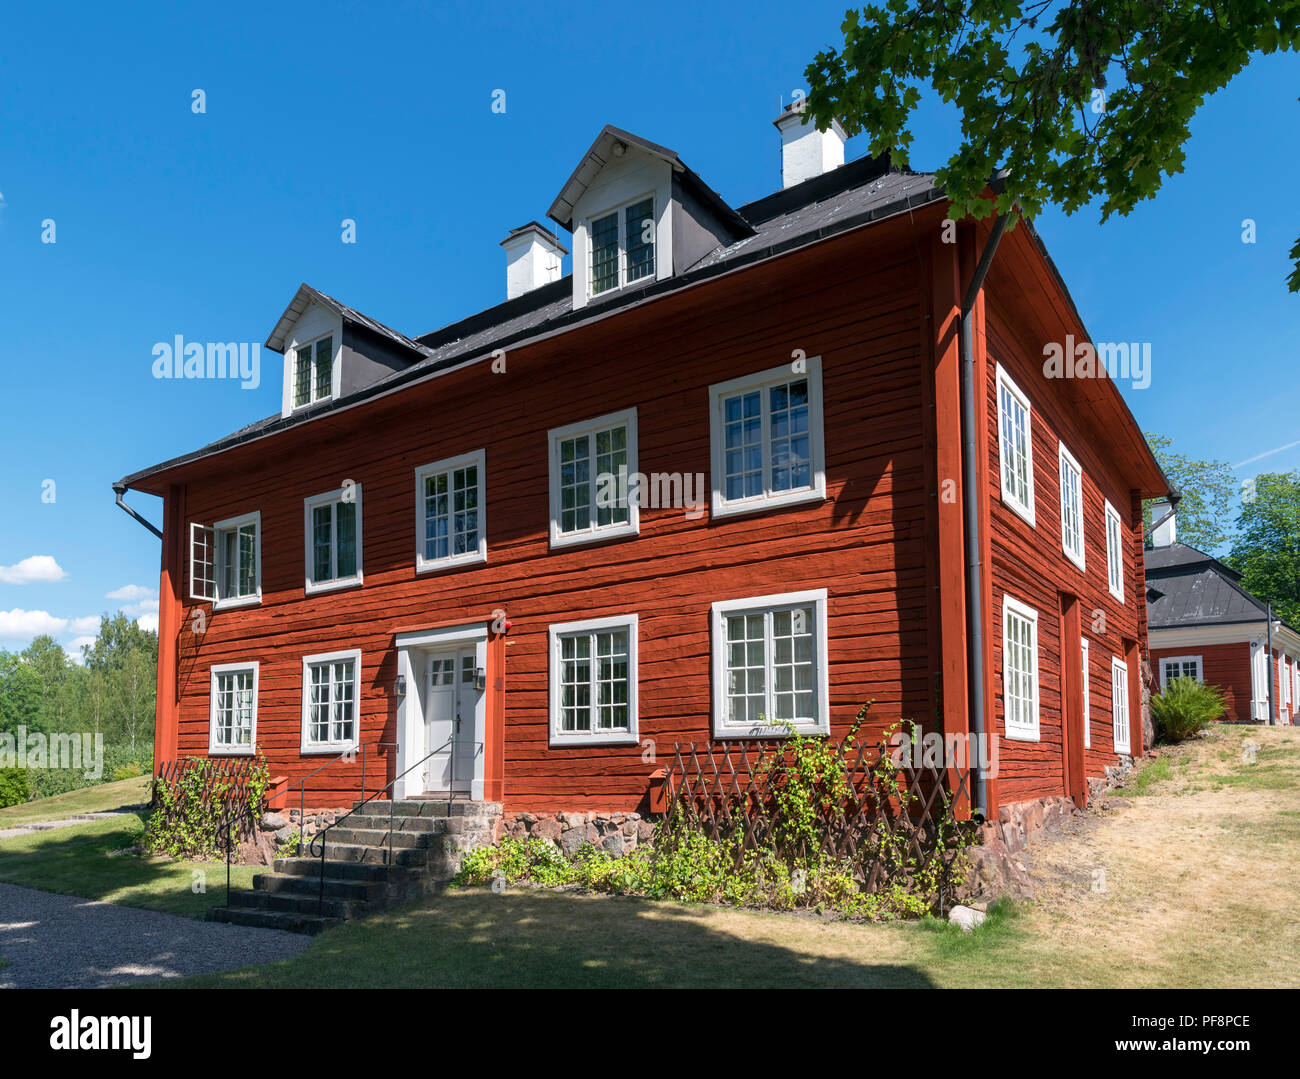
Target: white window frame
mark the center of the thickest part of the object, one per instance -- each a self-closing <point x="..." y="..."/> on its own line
<point x="311" y="586"/>
<point x="1013" y="607"/>
<point x="766" y="605"/>
<point x="1284" y="681"/>
<point x="214" y="748"/>
<point x="212" y="538"/>
<point x="594" y="533"/>
<point x="307" y="746"/>
<point x="1114" y="552"/>
<point x="1068" y="462"/>
<point x="477" y="459"/>
<point x="1180" y="660"/>
<point x="593" y="737"/>
<point x="761" y="381"/>
<point x="1118" y="702"/>
<point x="1023" y="507"/>
<point x="336" y="349"/>
<point x="621" y="211"/>
<point x="1087" y="692"/>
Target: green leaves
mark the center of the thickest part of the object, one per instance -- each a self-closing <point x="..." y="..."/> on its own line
<point x="1025" y="88"/>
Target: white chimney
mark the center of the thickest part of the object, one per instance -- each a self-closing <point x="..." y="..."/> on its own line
<point x="533" y="258"/>
<point x="805" y="151"/>
<point x="1162" y="536"/>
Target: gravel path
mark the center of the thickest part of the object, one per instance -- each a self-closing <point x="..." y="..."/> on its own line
<point x="63" y="942"/>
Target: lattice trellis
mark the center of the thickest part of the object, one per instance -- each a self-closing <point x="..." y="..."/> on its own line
<point x="224" y="781"/>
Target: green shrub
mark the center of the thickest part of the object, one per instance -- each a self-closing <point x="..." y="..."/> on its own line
<point x="1185" y="708"/>
<point x="190" y="818"/>
<point x="13" y="787"/>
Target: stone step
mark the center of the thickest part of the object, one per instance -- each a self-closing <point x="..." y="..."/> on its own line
<point x="341" y="909"/>
<point x="288" y="921"/>
<point x="419" y="807"/>
<point x="400" y="823"/>
<point x="375" y="837"/>
<point x="342" y="869"/>
<point x="358" y="891"/>
<point x="374" y="855"/>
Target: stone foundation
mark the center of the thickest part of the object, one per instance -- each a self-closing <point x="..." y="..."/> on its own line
<point x="275" y="828"/>
<point x="617" y="833"/>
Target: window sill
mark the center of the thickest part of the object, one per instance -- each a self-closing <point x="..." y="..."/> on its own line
<point x="239" y="601"/>
<point x="577" y="539"/>
<point x="440" y="565"/>
<point x="228" y="751"/>
<point x="762" y="503"/>
<point x="1117" y="596"/>
<point x="312" y="587"/>
<point x="322" y="750"/>
<point x="1078" y="560"/>
<point x="1019" y="509"/>
<point x="612" y="738"/>
<point x="1015" y="735"/>
<point x="770" y="731"/>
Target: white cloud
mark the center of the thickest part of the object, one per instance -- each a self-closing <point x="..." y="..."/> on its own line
<point x="20" y="625"/>
<point x="82" y="626"/>
<point x="134" y="593"/>
<point x="148" y="623"/>
<point x="73" y="648"/>
<point x="39" y="567"/>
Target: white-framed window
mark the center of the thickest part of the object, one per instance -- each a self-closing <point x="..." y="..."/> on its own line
<point x="770" y="666"/>
<point x="622" y="245"/>
<point x="450" y="504"/>
<point x="1020" y="670"/>
<point x="331" y="685"/>
<point x="1284" y="682"/>
<point x="1015" y="446"/>
<point x="593" y="468"/>
<point x="1259" y="705"/>
<point x="593" y="682"/>
<point x="1114" y="552"/>
<point x="226" y="561"/>
<point x="767" y="442"/>
<point x="332" y="530"/>
<point x="313" y="371"/>
<point x="1087" y="693"/>
<point x="232" y="709"/>
<point x="1119" y="704"/>
<point x="1295" y="672"/>
<point x="1071" y="507"/>
<point x="1179" y="667"/>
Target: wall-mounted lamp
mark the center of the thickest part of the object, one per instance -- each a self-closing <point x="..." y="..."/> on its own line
<point x="480" y="678"/>
<point x="399" y="686"/>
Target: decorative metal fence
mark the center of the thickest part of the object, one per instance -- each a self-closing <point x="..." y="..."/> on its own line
<point x="884" y="819"/>
<point x="224" y="789"/>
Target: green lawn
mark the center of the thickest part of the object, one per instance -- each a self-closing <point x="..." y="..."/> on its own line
<point x="97" y="799"/>
<point x="80" y="860"/>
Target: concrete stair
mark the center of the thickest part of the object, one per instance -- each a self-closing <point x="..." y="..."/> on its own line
<point x="383" y="855"/>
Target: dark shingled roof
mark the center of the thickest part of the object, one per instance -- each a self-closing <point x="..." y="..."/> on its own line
<point x="855" y="194"/>
<point x="1196" y="590"/>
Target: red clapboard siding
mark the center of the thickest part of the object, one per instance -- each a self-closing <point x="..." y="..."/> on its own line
<point x="1224" y="665"/>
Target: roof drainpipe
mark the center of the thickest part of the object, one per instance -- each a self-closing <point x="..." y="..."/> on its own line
<point x="120" y="491"/>
<point x="970" y="469"/>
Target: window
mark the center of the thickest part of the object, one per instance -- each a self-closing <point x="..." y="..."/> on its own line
<point x="592" y="490"/>
<point x="330" y="686"/>
<point x="1015" y="447"/>
<point x="1114" y="553"/>
<point x="769" y="666"/>
<point x="593" y="682"/>
<point x="766" y="434"/>
<point x="313" y="371"/>
<point x="1020" y="670"/>
<point x="226" y="561"/>
<point x="1284" y="682"/>
<point x="333" y="534"/>
<point x="1179" y="667"/>
<point x="1087" y="696"/>
<point x="1119" y="704"/>
<point x="622" y="246"/>
<point x="1071" y="507"/>
<point x="449" y="506"/>
<point x="232" y="719"/>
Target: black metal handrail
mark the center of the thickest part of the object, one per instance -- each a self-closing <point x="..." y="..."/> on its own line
<point x="451" y="797"/>
<point x="348" y="755"/>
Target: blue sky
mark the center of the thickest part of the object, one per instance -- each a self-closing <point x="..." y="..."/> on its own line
<point x="169" y="222"/>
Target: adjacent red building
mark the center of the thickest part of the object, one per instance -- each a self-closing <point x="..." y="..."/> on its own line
<point x="711" y="481"/>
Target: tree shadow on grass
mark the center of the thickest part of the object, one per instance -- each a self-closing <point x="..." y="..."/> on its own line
<point x="474" y="938"/>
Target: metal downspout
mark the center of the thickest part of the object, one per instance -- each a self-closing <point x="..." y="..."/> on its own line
<point x="120" y="491"/>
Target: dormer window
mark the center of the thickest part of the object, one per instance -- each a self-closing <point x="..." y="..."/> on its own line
<point x="313" y="371"/>
<point x="622" y="246"/>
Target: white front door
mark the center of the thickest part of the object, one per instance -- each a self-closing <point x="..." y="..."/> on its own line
<point x="449" y="721"/>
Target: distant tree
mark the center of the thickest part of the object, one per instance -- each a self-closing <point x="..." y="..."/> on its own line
<point x="1209" y="491"/>
<point x="118" y="637"/>
<point x="49" y="665"/>
<point x="1090" y="99"/>
<point x="136" y="692"/>
<point x="1267" y="550"/>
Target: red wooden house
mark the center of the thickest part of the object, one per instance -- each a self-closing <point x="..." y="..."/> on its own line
<point x="424" y="552"/>
<point x="1204" y="625"/>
